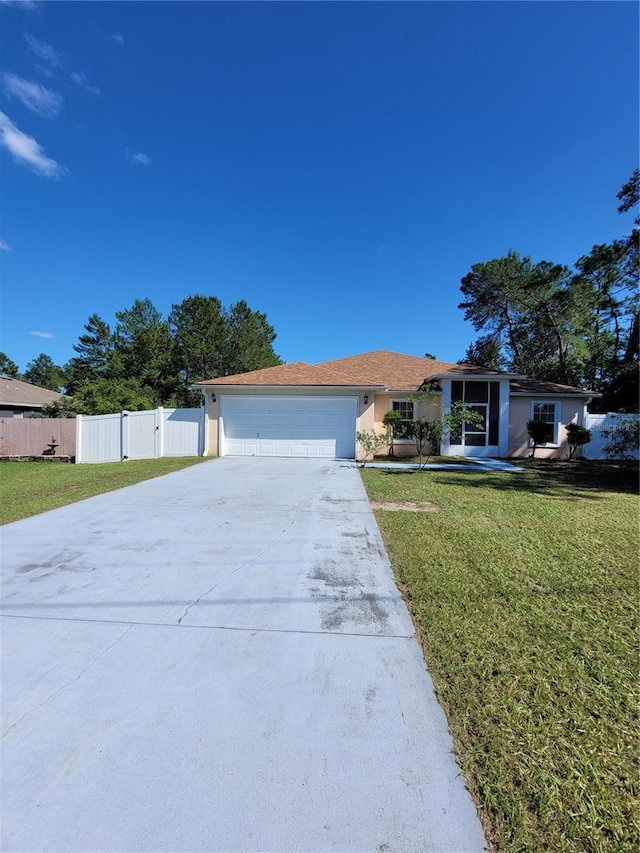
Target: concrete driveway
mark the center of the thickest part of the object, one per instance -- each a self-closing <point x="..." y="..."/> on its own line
<point x="219" y="660"/>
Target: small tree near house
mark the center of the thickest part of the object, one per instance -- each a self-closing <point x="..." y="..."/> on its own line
<point x="540" y="433"/>
<point x="577" y="436"/>
<point x="392" y="421"/>
<point x="371" y="441"/>
<point x="430" y="432"/>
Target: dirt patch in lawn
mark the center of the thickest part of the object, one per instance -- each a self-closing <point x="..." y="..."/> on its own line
<point x="405" y="506"/>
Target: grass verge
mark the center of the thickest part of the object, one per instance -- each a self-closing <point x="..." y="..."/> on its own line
<point x="29" y="488"/>
<point x="524" y="592"/>
<point x="418" y="460"/>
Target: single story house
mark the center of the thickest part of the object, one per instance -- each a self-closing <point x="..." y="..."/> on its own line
<point x="20" y="399"/>
<point x="302" y="409"/>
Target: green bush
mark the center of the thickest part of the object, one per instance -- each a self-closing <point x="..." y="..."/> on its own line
<point x="539" y="433"/>
<point x="577" y="436"/>
<point x="622" y="438"/>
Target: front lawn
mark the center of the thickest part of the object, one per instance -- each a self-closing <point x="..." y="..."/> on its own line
<point x="32" y="487"/>
<point x="421" y="460"/>
<point x="524" y="592"/>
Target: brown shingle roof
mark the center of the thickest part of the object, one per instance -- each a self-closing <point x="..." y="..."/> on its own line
<point x="538" y="386"/>
<point x="382" y="368"/>
<point x="14" y="393"/>
<point x="396" y="371"/>
<point x="295" y="373"/>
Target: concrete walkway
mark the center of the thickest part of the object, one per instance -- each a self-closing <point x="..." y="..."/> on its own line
<point x="219" y="660"/>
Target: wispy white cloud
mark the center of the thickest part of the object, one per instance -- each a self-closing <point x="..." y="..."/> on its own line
<point x="142" y="159"/>
<point x="35" y="97"/>
<point x="37" y="334"/>
<point x="29" y="5"/>
<point x="117" y="37"/>
<point x="43" y="50"/>
<point x="4" y="246"/>
<point x="80" y="78"/>
<point x="26" y="151"/>
<point x="46" y="72"/>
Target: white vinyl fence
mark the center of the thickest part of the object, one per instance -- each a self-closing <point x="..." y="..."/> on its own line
<point x="140" y="435"/>
<point x="596" y="423"/>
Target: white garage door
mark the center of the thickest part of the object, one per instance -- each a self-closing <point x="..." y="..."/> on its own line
<point x="288" y="426"/>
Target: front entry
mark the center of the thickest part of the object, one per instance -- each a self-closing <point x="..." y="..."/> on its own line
<point x="483" y="397"/>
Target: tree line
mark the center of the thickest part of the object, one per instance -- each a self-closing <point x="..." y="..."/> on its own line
<point x="571" y="326"/>
<point x="147" y="360"/>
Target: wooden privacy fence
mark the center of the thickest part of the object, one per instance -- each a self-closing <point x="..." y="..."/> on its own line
<point x="34" y="436"/>
<point x="140" y="435"/>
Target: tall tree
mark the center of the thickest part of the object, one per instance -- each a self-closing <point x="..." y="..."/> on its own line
<point x="8" y="367"/>
<point x="43" y="372"/>
<point x="199" y="330"/>
<point x="486" y="351"/>
<point x="95" y="350"/>
<point x="629" y="195"/>
<point x="493" y="303"/>
<point x="532" y="311"/>
<point x="606" y="270"/>
<point x="144" y="351"/>
<point x="102" y="396"/>
<point x="612" y="272"/>
<point x="250" y="340"/>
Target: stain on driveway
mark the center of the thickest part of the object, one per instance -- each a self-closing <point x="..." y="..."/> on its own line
<point x="219" y="660"/>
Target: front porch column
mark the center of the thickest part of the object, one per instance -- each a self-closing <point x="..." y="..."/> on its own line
<point x="446" y="406"/>
<point x="503" y="428"/>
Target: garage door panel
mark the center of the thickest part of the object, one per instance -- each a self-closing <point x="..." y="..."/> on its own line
<point x="289" y="426"/>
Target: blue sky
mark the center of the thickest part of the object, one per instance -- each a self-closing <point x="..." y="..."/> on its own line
<point x="340" y="166"/>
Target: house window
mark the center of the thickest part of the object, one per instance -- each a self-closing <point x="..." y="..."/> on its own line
<point x="405" y="407"/>
<point x="548" y="413"/>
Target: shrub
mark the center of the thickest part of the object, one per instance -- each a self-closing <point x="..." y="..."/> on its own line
<point x="370" y="441"/>
<point x="577" y="436"/>
<point x="539" y="433"/>
<point x="622" y="438"/>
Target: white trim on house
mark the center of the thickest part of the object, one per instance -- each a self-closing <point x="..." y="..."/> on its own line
<point x="557" y="404"/>
<point x="503" y="425"/>
<point x="312" y="390"/>
<point x="488" y="450"/>
<point x="588" y="395"/>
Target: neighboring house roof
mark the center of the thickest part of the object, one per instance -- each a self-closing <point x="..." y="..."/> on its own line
<point x="16" y="394"/>
<point x="379" y="370"/>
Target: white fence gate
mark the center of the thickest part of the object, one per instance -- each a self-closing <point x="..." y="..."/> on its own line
<point x="596" y="423"/>
<point x="140" y="435"/>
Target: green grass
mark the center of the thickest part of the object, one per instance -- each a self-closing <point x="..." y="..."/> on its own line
<point x="524" y="592"/>
<point x="457" y="460"/>
<point x="29" y="488"/>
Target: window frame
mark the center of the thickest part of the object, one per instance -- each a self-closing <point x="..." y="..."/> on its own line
<point x="557" y="417"/>
<point x="405" y="421"/>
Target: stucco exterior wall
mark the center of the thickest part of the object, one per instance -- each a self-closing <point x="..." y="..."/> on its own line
<point x="571" y="410"/>
<point x="384" y="402"/>
<point x="371" y="415"/>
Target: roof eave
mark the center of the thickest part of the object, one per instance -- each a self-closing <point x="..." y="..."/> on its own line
<point x="454" y="375"/>
<point x="263" y="386"/>
<point x="592" y="394"/>
<point x="21" y="404"/>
